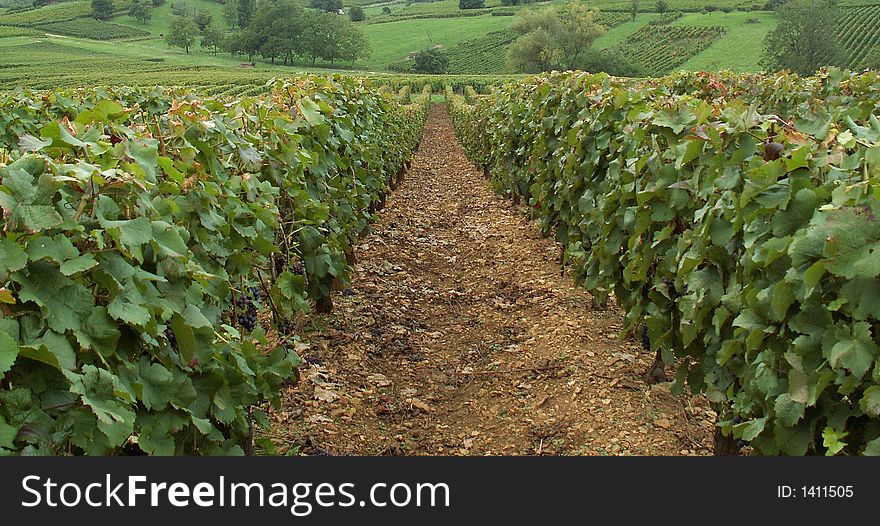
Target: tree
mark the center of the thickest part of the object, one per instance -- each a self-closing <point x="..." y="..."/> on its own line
<point x="203" y="19"/>
<point x="230" y="13"/>
<point x="634" y="9"/>
<point x="102" y="9"/>
<point x="246" y="9"/>
<point x="354" y="43"/>
<point x="430" y="60"/>
<point x="212" y="38"/>
<point x="726" y="9"/>
<point x="329" y="6"/>
<point x="549" y="38"/>
<point x="804" y="38"/>
<point x="140" y="12"/>
<point x="158" y="3"/>
<point x="471" y="4"/>
<point x="386" y="10"/>
<point x="182" y="33"/>
<point x="356" y="13"/>
<point x="662" y="6"/>
<point x="178" y="8"/>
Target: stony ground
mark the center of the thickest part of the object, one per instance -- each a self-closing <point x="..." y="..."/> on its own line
<point x="460" y="336"/>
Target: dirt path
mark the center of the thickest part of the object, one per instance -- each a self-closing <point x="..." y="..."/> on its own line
<point x="460" y="336"/>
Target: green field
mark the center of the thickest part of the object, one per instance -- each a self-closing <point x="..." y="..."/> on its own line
<point x="395" y="40"/>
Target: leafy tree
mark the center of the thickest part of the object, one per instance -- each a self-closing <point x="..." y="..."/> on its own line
<point x="430" y="60"/>
<point x="354" y="43"/>
<point x="102" y="9"/>
<point x="803" y="40"/>
<point x="710" y="8"/>
<point x="634" y="9"/>
<point x="329" y="6"/>
<point x="230" y="13"/>
<point x="662" y="6"/>
<point x="356" y="13"/>
<point x="471" y="4"/>
<point x="726" y="9"/>
<point x="203" y="19"/>
<point x="386" y="10"/>
<point x="549" y="38"/>
<point x="182" y="33"/>
<point x="246" y="10"/>
<point x="212" y="38"/>
<point x="140" y="12"/>
<point x="158" y="3"/>
<point x="178" y="8"/>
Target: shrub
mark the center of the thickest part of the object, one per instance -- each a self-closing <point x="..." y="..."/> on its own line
<point x="471" y="4"/>
<point x="431" y="60"/>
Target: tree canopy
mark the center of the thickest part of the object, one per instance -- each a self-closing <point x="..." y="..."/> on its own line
<point x="804" y="38"/>
<point x="552" y="38"/>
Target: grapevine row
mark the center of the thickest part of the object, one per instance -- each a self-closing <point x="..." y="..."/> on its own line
<point x="735" y="219"/>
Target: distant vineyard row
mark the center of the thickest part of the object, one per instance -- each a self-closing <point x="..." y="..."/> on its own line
<point x="734" y="217"/>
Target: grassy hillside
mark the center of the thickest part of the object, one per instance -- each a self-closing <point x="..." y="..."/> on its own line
<point x="475" y="44"/>
<point x="741" y="46"/>
<point x="395" y="40"/>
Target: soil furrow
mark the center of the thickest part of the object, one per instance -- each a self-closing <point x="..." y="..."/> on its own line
<point x="460" y="336"/>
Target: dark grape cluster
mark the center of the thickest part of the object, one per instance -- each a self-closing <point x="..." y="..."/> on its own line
<point x="646" y="340"/>
<point x="247" y="313"/>
<point x="285" y="327"/>
<point x="172" y="340"/>
<point x="298" y="268"/>
<point x="279" y="261"/>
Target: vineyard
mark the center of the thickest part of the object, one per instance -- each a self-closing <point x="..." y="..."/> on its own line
<point x="734" y="221"/>
<point x="859" y="33"/>
<point x="93" y="29"/>
<point x="660" y="48"/>
<point x="143" y="232"/>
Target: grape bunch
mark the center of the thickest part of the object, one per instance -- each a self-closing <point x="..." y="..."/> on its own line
<point x="279" y="261"/>
<point x="246" y="303"/>
<point x="298" y="268"/>
<point x="285" y="327"/>
<point x="172" y="340"/>
<point x="646" y="340"/>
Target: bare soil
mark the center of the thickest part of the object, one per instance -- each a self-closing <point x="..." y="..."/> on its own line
<point x="460" y="335"/>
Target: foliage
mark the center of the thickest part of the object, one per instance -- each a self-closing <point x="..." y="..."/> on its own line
<point x="182" y="33"/>
<point x="858" y="32"/>
<point x="102" y="9"/>
<point x="431" y="60"/>
<point x="480" y="55"/>
<point x="203" y="19"/>
<point x="179" y="8"/>
<point x="246" y="10"/>
<point x="329" y="6"/>
<point x="804" y="39"/>
<point x="552" y="39"/>
<point x="471" y="4"/>
<point x="140" y="12"/>
<point x="93" y="29"/>
<point x="212" y="38"/>
<point x="285" y="30"/>
<point x="230" y="13"/>
<point x="733" y="216"/>
<point x="661" y="6"/>
<point x="134" y="223"/>
<point x="657" y="49"/>
<point x="356" y="14"/>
